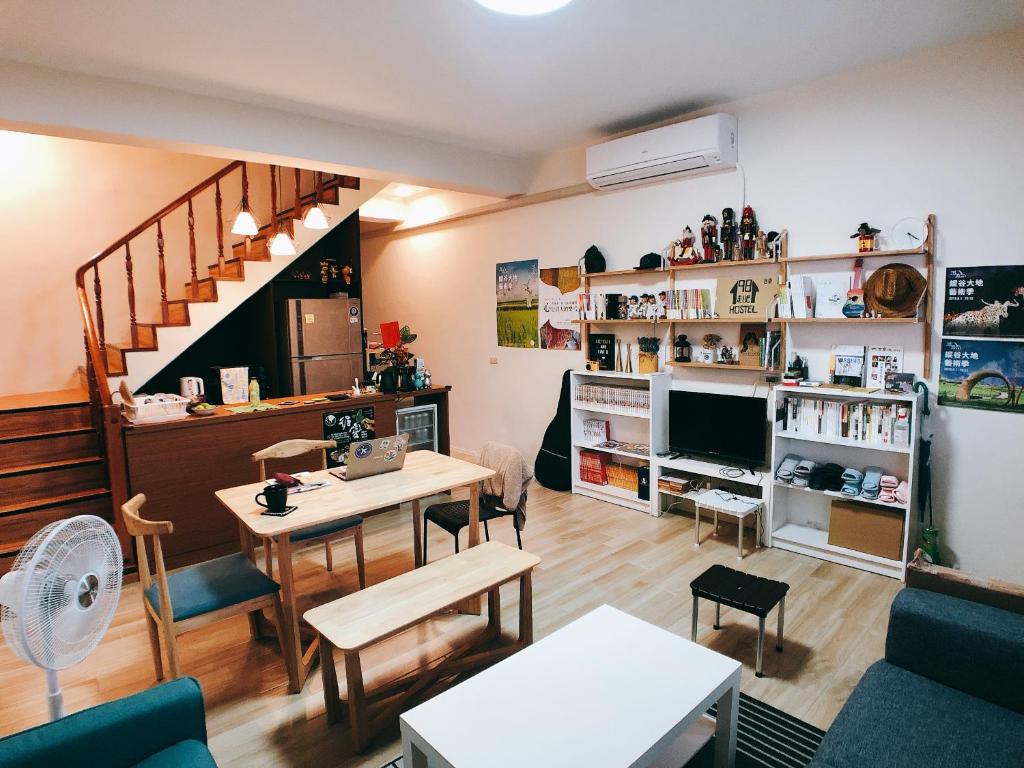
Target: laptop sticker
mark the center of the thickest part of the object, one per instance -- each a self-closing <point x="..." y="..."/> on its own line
<point x="385" y="444"/>
<point x="390" y="455"/>
<point x="363" y="450"/>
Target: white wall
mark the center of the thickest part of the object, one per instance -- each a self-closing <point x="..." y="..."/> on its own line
<point x="937" y="132"/>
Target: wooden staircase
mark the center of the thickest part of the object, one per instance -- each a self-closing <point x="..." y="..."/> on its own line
<point x="51" y="466"/>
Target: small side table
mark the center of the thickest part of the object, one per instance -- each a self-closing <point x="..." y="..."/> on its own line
<point x="730" y="504"/>
<point x="745" y="592"/>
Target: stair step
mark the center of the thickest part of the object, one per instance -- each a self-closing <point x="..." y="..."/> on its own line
<point x="77" y="443"/>
<point x="145" y="336"/>
<point x="18" y="422"/>
<point x="207" y="290"/>
<point x="20" y="522"/>
<point x="234" y="269"/>
<point x="177" y="313"/>
<point x="257" y="252"/>
<point x="32" y="482"/>
<point x="116" y="365"/>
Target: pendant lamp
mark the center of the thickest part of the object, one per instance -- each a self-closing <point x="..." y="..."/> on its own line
<point x="245" y="223"/>
<point x="315" y="217"/>
<point x="281" y="244"/>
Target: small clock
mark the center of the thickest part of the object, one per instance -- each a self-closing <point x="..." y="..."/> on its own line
<point x="908" y="233"/>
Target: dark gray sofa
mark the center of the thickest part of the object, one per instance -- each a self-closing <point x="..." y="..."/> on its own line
<point x="950" y="691"/>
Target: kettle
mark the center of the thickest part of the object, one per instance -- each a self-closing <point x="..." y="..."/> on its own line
<point x="192" y="387"/>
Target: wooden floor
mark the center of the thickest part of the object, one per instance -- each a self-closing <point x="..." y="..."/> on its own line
<point x="591" y="553"/>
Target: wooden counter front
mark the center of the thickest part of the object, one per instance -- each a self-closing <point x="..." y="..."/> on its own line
<point x="180" y="464"/>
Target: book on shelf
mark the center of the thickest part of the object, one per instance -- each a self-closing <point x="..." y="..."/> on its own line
<point x="596" y="430"/>
<point x="691" y="300"/>
<point x="880" y="361"/>
<point x="830" y="292"/>
<point x="847" y="365"/>
<point x="802" y="296"/>
<point x="593" y="468"/>
<point x="859" y="421"/>
<point x="641" y="450"/>
<point x="632" y="399"/>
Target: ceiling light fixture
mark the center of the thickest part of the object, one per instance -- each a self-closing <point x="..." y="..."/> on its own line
<point x="281" y="244"/>
<point x="524" y="7"/>
<point x="315" y="217"/>
<point x="402" y="190"/>
<point x="245" y="223"/>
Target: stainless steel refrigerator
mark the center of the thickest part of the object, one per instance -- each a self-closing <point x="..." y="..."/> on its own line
<point x="325" y="344"/>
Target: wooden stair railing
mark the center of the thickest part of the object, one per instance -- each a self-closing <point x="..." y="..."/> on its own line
<point x="104" y="359"/>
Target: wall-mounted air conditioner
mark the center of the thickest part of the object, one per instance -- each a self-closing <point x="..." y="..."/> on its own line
<point x="684" y="149"/>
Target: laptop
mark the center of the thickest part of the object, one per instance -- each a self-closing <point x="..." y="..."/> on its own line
<point x="367" y="458"/>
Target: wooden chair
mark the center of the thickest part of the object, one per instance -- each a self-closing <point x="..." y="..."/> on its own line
<point x="192" y="597"/>
<point x="326" y="532"/>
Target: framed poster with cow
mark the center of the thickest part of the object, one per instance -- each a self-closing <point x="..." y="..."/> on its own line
<point x="984" y="301"/>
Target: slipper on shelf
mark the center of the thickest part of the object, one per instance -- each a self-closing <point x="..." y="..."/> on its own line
<point x="850" y="489"/>
<point x="902" y="492"/>
<point x="872" y="480"/>
<point x="889" y="481"/>
<point x="785" y="471"/>
<point x="851" y="475"/>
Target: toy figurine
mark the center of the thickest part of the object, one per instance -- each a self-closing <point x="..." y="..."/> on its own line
<point x="622" y="313"/>
<point x="651" y="311"/>
<point x="685" y="243"/>
<point x="709" y="239"/>
<point x="865" y="236"/>
<point x="748" y="233"/>
<point x="634" y="308"/>
<point x="662" y="304"/>
<point x="728" y="233"/>
<point x="761" y="245"/>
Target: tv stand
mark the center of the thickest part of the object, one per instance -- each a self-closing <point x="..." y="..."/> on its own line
<point x="716" y="474"/>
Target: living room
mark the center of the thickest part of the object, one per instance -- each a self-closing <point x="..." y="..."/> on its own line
<point x="509" y="294"/>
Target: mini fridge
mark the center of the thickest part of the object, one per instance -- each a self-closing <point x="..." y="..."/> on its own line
<point x="420" y="421"/>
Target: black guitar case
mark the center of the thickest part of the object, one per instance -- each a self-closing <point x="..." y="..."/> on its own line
<point x="553" y="468"/>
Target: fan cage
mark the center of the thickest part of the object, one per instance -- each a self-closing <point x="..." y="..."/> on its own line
<point x="52" y="623"/>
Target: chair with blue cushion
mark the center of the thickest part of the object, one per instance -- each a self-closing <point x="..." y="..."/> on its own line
<point x="191" y="597"/>
<point x="328" y="533"/>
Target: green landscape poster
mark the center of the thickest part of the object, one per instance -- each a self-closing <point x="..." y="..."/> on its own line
<point x="982" y="374"/>
<point x="516" y="285"/>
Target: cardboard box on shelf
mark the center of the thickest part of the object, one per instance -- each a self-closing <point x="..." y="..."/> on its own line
<point x="866" y="528"/>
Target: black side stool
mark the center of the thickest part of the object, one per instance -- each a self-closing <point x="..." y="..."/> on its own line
<point x="745" y="592"/>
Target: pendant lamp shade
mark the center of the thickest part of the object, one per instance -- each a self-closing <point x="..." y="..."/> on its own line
<point x="245" y="224"/>
<point x="315" y="218"/>
<point x="282" y="245"/>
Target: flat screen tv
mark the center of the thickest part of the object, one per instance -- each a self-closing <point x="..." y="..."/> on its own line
<point x="730" y="429"/>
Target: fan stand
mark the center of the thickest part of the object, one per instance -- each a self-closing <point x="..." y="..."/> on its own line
<point x="55" y="697"/>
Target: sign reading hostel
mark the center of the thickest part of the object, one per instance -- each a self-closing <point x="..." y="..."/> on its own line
<point x="747" y="297"/>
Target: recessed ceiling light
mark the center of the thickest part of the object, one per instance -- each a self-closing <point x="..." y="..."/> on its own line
<point x="403" y="190"/>
<point x="524" y="7"/>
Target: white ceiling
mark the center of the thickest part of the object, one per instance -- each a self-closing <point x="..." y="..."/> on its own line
<point x="450" y="70"/>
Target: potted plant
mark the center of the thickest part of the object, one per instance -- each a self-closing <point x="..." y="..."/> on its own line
<point x="396" y="374"/>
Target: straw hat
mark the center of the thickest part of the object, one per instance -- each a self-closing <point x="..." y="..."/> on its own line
<point x="895" y="290"/>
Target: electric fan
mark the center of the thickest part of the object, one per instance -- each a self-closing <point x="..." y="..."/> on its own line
<point x="59" y="598"/>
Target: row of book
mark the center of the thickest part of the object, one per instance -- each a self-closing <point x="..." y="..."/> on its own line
<point x="768" y="349"/>
<point x="690" y="304"/>
<point x="628" y="399"/>
<point x="858" y="421"/>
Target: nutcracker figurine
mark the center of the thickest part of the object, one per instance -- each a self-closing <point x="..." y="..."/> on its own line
<point x="709" y="238"/>
<point x="865" y="236"/>
<point x="728" y="233"/>
<point x="748" y="234"/>
<point x="762" y="245"/>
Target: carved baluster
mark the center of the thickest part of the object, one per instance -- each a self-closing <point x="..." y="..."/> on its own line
<point x="162" y="267"/>
<point x="131" y="294"/>
<point x="220" y="229"/>
<point x="245" y="207"/>
<point x="297" y="214"/>
<point x="273" y="203"/>
<point x="318" y="187"/>
<point x="192" y="249"/>
<point x="97" y="290"/>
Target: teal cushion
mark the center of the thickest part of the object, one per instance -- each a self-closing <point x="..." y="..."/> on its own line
<point x="327" y="529"/>
<point x="118" y="734"/>
<point x="212" y="585"/>
<point x="184" y="754"/>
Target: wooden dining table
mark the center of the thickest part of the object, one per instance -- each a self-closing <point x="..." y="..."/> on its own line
<point x="425" y="473"/>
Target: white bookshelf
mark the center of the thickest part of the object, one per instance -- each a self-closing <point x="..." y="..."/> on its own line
<point x="626" y="425"/>
<point x="799" y="517"/>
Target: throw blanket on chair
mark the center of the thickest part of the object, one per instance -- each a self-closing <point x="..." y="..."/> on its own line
<point x="512" y="477"/>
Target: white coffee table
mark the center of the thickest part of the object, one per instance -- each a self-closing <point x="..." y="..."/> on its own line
<point x="606" y="691"/>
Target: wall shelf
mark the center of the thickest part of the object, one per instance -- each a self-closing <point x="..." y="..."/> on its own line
<point x="616" y="451"/>
<point x="724" y="265"/>
<point x="838" y="495"/>
<point x="723" y="367"/>
<point x="621" y="272"/>
<point x="892" y="254"/>
<point x="737" y="321"/>
<point x="846" y="443"/>
<point x="619" y="322"/>
<point x="850" y="320"/>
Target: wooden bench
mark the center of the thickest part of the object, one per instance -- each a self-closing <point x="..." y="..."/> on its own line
<point x="362" y="619"/>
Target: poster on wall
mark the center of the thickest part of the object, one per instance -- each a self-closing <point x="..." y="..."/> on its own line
<point x="516" y="289"/>
<point x="982" y="374"/>
<point x="984" y="301"/>
<point x="346" y="427"/>
<point x="746" y="298"/>
<point x="559" y="306"/>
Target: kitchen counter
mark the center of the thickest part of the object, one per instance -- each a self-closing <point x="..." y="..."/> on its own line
<point x="180" y="464"/>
